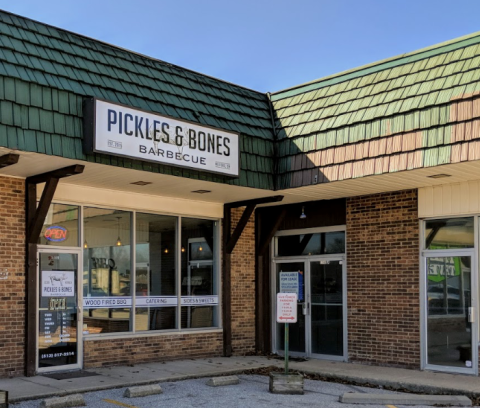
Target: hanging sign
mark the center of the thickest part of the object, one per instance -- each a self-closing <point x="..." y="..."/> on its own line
<point x="286" y="308"/>
<point x="55" y="233"/>
<point x="123" y="131"/>
<point x="58" y="283"/>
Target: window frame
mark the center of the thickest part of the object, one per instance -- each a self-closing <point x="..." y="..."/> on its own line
<point x="216" y="267"/>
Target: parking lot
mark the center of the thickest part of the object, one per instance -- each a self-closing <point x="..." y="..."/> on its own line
<point x="252" y="392"/>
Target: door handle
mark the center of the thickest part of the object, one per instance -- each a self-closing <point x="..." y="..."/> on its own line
<point x="304" y="308"/>
<point x="471" y="314"/>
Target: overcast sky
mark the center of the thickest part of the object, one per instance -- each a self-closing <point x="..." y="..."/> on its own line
<point x="266" y="45"/>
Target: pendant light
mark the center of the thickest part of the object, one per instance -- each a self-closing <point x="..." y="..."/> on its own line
<point x="119" y="241"/>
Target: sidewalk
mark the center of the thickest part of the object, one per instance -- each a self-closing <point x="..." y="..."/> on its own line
<point x="24" y="388"/>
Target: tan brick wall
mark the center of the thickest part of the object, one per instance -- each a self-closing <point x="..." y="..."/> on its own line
<point x="99" y="353"/>
<point x="243" y="287"/>
<point x="12" y="260"/>
<point x="383" y="279"/>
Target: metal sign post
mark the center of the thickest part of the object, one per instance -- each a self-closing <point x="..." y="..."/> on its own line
<point x="286" y="313"/>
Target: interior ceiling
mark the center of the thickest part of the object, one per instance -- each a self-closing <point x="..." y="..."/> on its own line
<point x="115" y="178"/>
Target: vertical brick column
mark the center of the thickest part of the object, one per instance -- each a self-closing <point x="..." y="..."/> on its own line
<point x="12" y="274"/>
<point x="243" y="287"/>
<point x="383" y="279"/>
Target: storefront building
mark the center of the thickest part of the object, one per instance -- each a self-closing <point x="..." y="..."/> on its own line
<point x="149" y="212"/>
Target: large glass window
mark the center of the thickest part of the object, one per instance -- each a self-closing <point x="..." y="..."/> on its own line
<point x="199" y="279"/>
<point x="107" y="279"/>
<point x="155" y="289"/>
<point x="141" y="272"/>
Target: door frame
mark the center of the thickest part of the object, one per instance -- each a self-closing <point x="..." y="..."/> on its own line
<point x="79" y="282"/>
<point x="306" y="260"/>
<point x="425" y="254"/>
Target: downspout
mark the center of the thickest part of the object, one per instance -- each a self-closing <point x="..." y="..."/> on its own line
<point x="275" y="144"/>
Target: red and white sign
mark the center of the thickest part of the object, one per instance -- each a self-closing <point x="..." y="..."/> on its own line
<point x="286" y="307"/>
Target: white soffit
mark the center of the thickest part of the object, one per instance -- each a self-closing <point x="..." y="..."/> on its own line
<point x="106" y="178"/>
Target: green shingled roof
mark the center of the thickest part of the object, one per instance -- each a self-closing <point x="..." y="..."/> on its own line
<point x="46" y="72"/>
<point x="425" y="95"/>
<point x="417" y="110"/>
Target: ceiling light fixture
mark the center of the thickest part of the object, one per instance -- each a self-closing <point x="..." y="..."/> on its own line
<point x="302" y="215"/>
<point x="119" y="241"/>
<point x="141" y="183"/>
<point x="436" y="176"/>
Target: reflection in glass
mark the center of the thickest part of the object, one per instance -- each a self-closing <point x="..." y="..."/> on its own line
<point x="448" y="296"/>
<point x="296" y="330"/>
<point x="449" y="233"/>
<point x="199" y="274"/>
<point x="57" y="324"/>
<point x="327" y="310"/>
<point x="311" y="244"/>
<point x="155" y="272"/>
<point x="61" y="226"/>
<point x="107" y="265"/>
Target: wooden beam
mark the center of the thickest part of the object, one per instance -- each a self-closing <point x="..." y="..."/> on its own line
<point x="8" y="159"/>
<point x="256" y="201"/>
<point x="263" y="244"/>
<point x="227" y="286"/>
<point x="58" y="174"/>
<point x="35" y="226"/>
<point x="239" y="228"/>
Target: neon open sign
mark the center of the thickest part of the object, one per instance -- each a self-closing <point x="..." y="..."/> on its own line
<point x="55" y="233"/>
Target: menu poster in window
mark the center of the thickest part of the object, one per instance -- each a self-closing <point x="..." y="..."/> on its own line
<point x="57" y="339"/>
<point x="58" y="283"/>
<point x="292" y="282"/>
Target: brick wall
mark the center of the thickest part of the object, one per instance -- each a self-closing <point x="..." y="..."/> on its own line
<point x="243" y="287"/>
<point x="99" y="353"/>
<point x="12" y="261"/>
<point x="383" y="279"/>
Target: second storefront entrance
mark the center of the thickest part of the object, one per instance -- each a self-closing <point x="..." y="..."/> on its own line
<point x="312" y="264"/>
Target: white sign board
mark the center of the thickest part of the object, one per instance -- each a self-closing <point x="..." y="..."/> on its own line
<point x="58" y="283"/>
<point x="286" y="308"/>
<point x="124" y="131"/>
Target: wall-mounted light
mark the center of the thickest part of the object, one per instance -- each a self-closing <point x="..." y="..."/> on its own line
<point x="302" y="215"/>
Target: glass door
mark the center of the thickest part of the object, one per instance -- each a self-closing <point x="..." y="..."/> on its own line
<point x="321" y="326"/>
<point x="290" y="278"/>
<point x="450" y="324"/>
<point x="326" y="310"/>
<point x="59" y="320"/>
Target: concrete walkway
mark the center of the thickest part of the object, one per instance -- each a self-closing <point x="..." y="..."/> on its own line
<point x="24" y="388"/>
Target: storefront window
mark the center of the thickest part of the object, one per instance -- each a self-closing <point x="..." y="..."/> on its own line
<point x="155" y="288"/>
<point x="311" y="244"/>
<point x="449" y="233"/>
<point x="107" y="269"/>
<point x="140" y="270"/>
<point x="61" y="226"/>
<point x="199" y="278"/>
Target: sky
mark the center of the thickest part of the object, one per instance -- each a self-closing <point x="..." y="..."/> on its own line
<point x="265" y="45"/>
